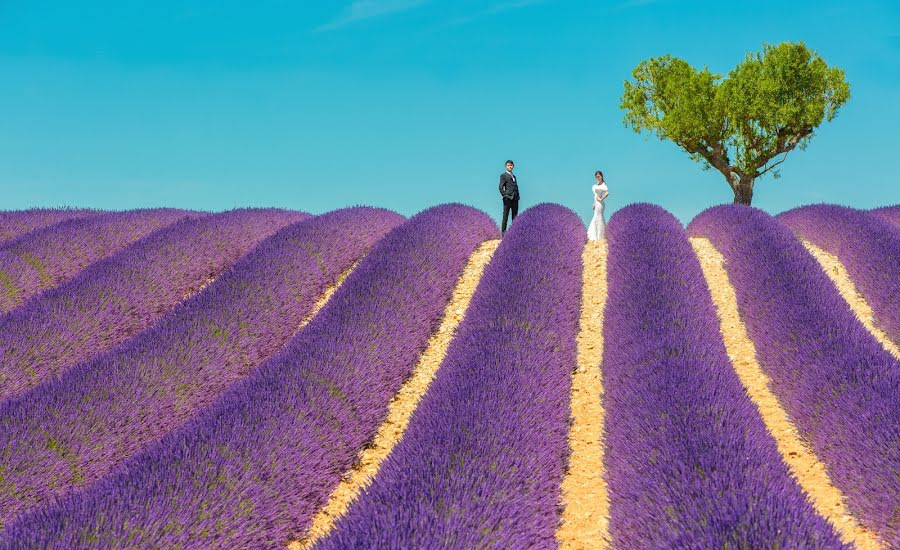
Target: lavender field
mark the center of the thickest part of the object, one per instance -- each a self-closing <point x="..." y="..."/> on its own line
<point x="263" y="378"/>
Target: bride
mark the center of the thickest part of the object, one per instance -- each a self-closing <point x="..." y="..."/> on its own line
<point x="597" y="229"/>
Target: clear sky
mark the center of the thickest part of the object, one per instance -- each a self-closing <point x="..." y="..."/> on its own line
<point x="315" y="105"/>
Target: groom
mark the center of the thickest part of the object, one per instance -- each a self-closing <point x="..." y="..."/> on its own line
<point x="509" y="190"/>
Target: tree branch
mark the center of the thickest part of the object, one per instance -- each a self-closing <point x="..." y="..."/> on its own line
<point x="785" y="146"/>
<point x="758" y="173"/>
<point x="718" y="158"/>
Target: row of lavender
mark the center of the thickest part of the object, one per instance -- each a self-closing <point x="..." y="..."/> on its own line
<point x="839" y="386"/>
<point x="250" y="470"/>
<point x="868" y="246"/>
<point x="483" y="459"/>
<point x="118" y="297"/>
<point x="704" y="471"/>
<point x="15" y="223"/>
<point x="67" y="433"/>
<point x="693" y="466"/>
<point x="42" y="259"/>
<point x="498" y="522"/>
<point x="889" y="213"/>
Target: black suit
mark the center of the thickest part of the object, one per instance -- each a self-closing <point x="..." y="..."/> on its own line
<point x="509" y="190"/>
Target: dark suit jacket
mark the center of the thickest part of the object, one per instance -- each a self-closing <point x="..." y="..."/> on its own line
<point x="509" y="188"/>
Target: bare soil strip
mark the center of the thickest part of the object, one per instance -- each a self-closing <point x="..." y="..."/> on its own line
<point x="206" y="282"/>
<point x="585" y="516"/>
<point x="841" y="279"/>
<point x="323" y="299"/>
<point x="809" y="471"/>
<point x="402" y="404"/>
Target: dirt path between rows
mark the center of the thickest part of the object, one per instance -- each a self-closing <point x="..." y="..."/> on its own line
<point x="838" y="274"/>
<point x="585" y="517"/>
<point x="809" y="471"/>
<point x="402" y="405"/>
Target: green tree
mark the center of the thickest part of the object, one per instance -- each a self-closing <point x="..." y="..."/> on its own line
<point x="745" y="125"/>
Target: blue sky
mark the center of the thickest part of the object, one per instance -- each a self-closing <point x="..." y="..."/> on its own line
<point x="315" y="105"/>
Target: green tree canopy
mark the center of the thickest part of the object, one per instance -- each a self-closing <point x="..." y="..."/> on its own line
<point x="744" y="125"/>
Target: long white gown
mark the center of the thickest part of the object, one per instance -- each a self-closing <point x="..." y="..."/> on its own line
<point x="597" y="229"/>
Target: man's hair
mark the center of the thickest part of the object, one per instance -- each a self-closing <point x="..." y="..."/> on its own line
<point x="509" y="162"/>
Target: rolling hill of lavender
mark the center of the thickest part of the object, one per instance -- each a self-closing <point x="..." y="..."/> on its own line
<point x="181" y="379"/>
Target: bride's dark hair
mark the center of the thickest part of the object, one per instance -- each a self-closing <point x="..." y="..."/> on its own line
<point x="599" y="172"/>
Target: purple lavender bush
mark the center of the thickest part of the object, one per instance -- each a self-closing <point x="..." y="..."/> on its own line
<point x="15" y="223"/>
<point x="69" y="433"/>
<point x="689" y="462"/>
<point x="889" y="213"/>
<point x="484" y="455"/>
<point x="48" y="257"/>
<point x="118" y="297"/>
<point x="252" y="469"/>
<point x="839" y="386"/>
<point x="868" y="246"/>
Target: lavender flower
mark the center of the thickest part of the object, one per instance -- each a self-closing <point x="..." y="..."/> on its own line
<point x="690" y="463"/>
<point x="889" y="213"/>
<point x="839" y="386"/>
<point x="116" y="298"/>
<point x="15" y="223"/>
<point x="868" y="246"/>
<point x="69" y="433"/>
<point x="484" y="455"/>
<point x="250" y="470"/>
<point x="50" y="256"/>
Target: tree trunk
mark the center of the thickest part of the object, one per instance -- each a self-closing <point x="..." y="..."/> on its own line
<point x="743" y="191"/>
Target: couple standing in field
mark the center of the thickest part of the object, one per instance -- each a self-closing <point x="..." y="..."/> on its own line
<point x="509" y="190"/>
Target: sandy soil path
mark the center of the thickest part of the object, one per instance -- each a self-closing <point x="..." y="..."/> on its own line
<point x="838" y="274"/>
<point x="403" y="404"/>
<point x="585" y="517"/>
<point x="809" y="471"/>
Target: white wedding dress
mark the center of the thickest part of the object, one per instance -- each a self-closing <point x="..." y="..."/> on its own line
<point x="597" y="229"/>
